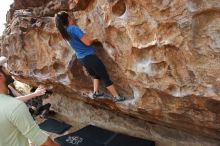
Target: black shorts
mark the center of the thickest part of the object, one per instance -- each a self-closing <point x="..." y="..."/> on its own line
<point x="96" y="68"/>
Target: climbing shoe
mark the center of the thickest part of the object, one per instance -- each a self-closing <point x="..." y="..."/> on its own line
<point x="118" y="99"/>
<point x="97" y="94"/>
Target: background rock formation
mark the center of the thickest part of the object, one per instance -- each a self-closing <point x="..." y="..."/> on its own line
<point x="172" y="81"/>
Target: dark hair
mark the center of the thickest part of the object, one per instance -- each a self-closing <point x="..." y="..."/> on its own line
<point x="61" y="22"/>
<point x="2" y="71"/>
<point x="8" y="77"/>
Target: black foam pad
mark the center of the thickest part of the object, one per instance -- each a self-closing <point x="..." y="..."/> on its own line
<point x="76" y="139"/>
<point x="54" y="126"/>
<point x="124" y="140"/>
<point x="95" y="136"/>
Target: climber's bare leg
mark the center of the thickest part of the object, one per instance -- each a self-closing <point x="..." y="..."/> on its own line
<point x="116" y="96"/>
<point x="96" y="83"/>
<point x="96" y="92"/>
<point x="112" y="90"/>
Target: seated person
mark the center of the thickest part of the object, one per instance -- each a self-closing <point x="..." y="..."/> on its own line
<point x="34" y="100"/>
<point x="35" y="104"/>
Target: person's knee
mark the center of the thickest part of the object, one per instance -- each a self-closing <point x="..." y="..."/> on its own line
<point x="96" y="77"/>
<point x="107" y="82"/>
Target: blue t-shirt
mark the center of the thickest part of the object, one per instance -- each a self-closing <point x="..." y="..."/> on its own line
<point x="80" y="48"/>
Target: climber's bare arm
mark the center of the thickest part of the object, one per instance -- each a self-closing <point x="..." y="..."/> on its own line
<point x="86" y="40"/>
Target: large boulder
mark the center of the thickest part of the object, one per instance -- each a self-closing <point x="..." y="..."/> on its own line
<point x="163" y="54"/>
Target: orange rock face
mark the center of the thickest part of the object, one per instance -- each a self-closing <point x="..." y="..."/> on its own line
<point x="173" y="79"/>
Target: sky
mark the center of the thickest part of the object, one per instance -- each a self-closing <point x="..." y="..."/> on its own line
<point x="5" y="5"/>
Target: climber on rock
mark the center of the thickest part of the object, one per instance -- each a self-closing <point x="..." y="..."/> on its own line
<point x="85" y="54"/>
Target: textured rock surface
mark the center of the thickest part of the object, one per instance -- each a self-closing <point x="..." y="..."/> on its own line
<point x="86" y="114"/>
<point x="173" y="81"/>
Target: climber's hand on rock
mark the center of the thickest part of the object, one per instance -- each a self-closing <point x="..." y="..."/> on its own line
<point x="86" y="40"/>
<point x="95" y="40"/>
<point x="41" y="90"/>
